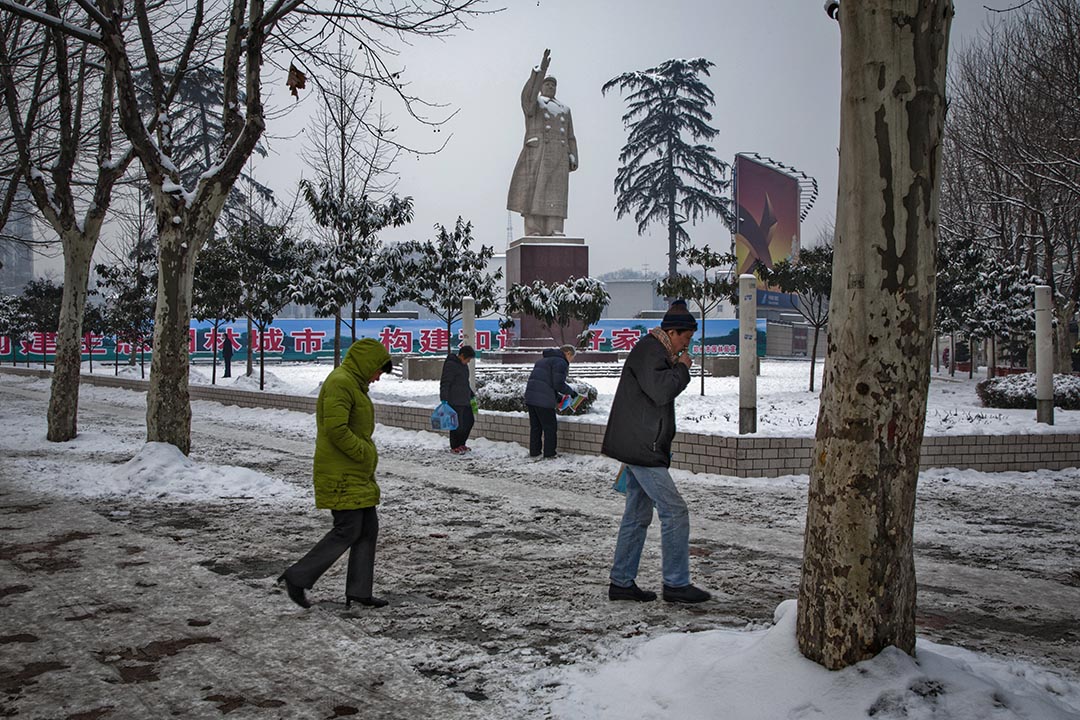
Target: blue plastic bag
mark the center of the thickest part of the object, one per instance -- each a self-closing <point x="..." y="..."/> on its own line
<point x="620" y="480"/>
<point x="444" y="417"/>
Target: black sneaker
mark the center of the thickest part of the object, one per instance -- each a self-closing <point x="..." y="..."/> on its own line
<point x="633" y="593"/>
<point x="686" y="594"/>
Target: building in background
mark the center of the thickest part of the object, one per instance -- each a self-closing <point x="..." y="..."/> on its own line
<point x="15" y="254"/>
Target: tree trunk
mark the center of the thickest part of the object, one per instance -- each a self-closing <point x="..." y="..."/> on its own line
<point x="857" y="592"/>
<point x="168" y="404"/>
<point x="214" y="350"/>
<point x="813" y="358"/>
<point x="250" y="350"/>
<point x="337" y="337"/>
<point x="1063" y="342"/>
<point x="64" y="398"/>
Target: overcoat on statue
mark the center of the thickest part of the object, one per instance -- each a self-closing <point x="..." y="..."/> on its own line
<point x="540" y="182"/>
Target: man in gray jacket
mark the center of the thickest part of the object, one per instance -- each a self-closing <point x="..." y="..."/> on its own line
<point x="639" y="433"/>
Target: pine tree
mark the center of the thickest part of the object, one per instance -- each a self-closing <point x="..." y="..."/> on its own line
<point x="438" y="274"/>
<point x="685" y="181"/>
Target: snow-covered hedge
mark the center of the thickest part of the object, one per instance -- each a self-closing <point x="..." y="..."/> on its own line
<point x="1018" y="391"/>
<point x="505" y="391"/>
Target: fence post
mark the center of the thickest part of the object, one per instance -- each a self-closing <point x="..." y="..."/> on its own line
<point x="1044" y="357"/>
<point x="747" y="354"/>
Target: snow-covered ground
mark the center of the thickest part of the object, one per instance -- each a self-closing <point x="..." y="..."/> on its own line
<point x="136" y="582"/>
<point x="785" y="404"/>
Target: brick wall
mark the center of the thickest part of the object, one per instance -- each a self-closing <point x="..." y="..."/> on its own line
<point x="721" y="454"/>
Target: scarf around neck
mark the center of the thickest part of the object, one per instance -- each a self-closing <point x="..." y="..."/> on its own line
<point x="665" y="341"/>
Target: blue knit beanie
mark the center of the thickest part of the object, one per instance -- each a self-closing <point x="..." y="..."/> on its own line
<point x="678" y="317"/>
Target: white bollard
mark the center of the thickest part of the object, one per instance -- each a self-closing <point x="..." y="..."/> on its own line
<point x="1044" y="357"/>
<point x="468" y="329"/>
<point x="747" y="354"/>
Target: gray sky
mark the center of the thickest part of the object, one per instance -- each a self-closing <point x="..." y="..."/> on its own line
<point x="776" y="82"/>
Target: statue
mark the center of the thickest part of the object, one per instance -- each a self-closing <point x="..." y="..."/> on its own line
<point x="540" y="183"/>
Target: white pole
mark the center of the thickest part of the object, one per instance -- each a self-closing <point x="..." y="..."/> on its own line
<point x="1044" y="357"/>
<point x="468" y="328"/>
<point x="747" y="354"/>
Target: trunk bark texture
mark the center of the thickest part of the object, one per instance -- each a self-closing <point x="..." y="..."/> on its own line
<point x="168" y="406"/>
<point x="857" y="593"/>
<point x="63" y="411"/>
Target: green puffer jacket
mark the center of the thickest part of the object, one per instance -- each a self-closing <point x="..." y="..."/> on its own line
<point x="345" y="456"/>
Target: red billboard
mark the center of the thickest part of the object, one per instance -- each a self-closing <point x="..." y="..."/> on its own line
<point x="767" y="209"/>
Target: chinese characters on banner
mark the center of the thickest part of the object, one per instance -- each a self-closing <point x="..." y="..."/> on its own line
<point x="308" y="339"/>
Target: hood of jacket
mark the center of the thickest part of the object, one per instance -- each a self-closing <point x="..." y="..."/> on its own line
<point x="554" y="352"/>
<point x="364" y="358"/>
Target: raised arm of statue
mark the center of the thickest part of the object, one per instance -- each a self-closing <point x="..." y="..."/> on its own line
<point x="533" y="85"/>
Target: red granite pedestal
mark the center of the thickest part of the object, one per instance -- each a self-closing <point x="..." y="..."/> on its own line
<point x="552" y="260"/>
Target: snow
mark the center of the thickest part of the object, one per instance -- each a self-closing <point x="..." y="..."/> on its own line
<point x="786" y="407"/>
<point x="495" y="568"/>
<point x="762" y="674"/>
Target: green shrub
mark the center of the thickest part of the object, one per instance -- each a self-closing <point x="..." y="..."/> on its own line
<point x="505" y="391"/>
<point x="1018" y="391"/>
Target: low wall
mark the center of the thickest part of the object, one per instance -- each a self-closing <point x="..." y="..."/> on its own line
<point x="721" y="454"/>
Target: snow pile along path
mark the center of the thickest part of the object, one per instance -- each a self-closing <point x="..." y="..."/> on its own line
<point x="762" y="674"/>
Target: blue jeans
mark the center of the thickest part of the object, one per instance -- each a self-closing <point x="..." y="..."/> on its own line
<point x="647" y="487"/>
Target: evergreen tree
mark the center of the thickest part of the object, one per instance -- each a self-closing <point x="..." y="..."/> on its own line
<point x="348" y="268"/>
<point x="129" y="289"/>
<point x="706" y="292"/>
<point x="269" y="256"/>
<point x="809" y="279"/>
<point x="438" y="274"/>
<point x="14" y="322"/>
<point x="957" y="260"/>
<point x="561" y="307"/>
<point x="666" y="175"/>
<point x="41" y="301"/>
<point x="216" y="292"/>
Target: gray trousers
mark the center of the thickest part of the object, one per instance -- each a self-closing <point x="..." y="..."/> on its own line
<point x="355" y="531"/>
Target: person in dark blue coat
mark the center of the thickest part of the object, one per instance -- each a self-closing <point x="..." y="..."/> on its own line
<point x="639" y="434"/>
<point x="547" y="385"/>
<point x="455" y="390"/>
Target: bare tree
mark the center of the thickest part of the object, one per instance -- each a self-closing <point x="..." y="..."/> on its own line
<point x="857" y="593"/>
<point x="1012" y="166"/>
<point x="61" y="107"/>
<point x="242" y="36"/>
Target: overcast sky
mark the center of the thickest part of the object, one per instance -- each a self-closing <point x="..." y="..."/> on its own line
<point x="776" y="83"/>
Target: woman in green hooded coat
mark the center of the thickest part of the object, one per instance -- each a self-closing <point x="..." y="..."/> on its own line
<point x="344" y="475"/>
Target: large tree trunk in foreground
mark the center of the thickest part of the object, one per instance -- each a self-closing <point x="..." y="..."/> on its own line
<point x="168" y="405"/>
<point x="857" y="594"/>
<point x="64" y="398"/>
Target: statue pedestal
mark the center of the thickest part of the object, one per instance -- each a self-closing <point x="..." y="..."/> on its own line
<point x="552" y="259"/>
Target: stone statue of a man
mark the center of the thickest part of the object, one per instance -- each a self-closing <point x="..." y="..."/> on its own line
<point x="540" y="183"/>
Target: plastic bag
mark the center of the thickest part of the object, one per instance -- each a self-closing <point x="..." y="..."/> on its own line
<point x="444" y="417"/>
<point x="620" y="480"/>
<point x="475" y="405"/>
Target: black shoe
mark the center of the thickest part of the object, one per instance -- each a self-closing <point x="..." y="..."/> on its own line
<point x="295" y="592"/>
<point x="686" y="594"/>
<point x="634" y="593"/>
<point x="371" y="601"/>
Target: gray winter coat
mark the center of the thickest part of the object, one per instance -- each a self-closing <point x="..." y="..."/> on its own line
<point x="547" y="383"/>
<point x="641" y="425"/>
